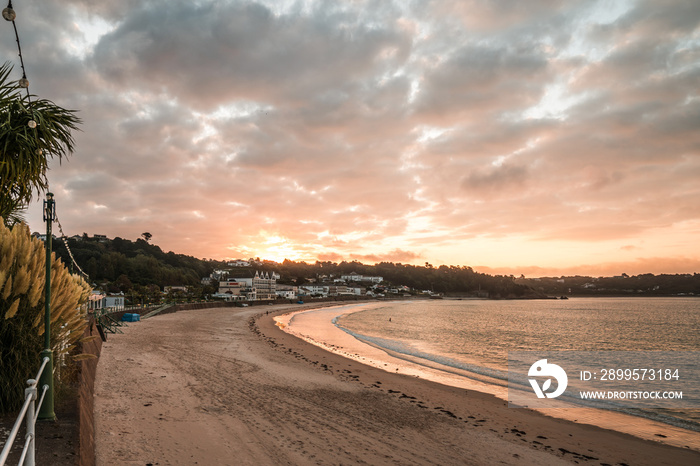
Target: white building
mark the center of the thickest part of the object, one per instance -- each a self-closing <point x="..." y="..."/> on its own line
<point x="114" y="302"/>
<point x="340" y="290"/>
<point x="218" y="274"/>
<point x="356" y="277"/>
<point x="237" y="289"/>
<point x="310" y="290"/>
<point x="100" y="301"/>
<point x="286" y="291"/>
<point x="265" y="285"/>
<point x="234" y="290"/>
<point x="238" y="263"/>
<point x="260" y="287"/>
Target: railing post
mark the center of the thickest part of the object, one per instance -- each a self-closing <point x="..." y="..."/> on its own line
<point x="31" y="423"/>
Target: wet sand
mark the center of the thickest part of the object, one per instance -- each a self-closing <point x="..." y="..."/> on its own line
<point x="216" y="387"/>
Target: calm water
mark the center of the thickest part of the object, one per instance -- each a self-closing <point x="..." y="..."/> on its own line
<point x="475" y="336"/>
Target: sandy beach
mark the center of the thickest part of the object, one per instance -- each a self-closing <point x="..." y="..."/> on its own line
<point x="222" y="387"/>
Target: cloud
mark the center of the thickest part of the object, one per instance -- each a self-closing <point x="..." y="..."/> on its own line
<point x="660" y="265"/>
<point x="209" y="53"/>
<point x="491" y="180"/>
<point x="482" y="81"/>
<point x="397" y="255"/>
<point x="399" y="131"/>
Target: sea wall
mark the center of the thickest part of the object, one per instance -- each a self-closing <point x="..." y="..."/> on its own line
<point x="86" y="395"/>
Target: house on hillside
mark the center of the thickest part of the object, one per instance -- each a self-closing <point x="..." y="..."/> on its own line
<point x="239" y="263"/>
<point x="356" y="277"/>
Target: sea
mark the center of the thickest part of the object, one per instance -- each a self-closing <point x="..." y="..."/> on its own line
<point x="468" y="342"/>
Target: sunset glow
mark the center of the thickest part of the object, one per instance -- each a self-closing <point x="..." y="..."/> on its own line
<point x="555" y="138"/>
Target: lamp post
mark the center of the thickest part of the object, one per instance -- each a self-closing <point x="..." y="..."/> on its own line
<point x="46" y="412"/>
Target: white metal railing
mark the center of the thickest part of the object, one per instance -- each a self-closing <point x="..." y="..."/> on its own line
<point x="30" y="411"/>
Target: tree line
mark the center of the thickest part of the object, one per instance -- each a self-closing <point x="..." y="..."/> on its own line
<point x="622" y="285"/>
<point x="145" y="269"/>
<point x="121" y="265"/>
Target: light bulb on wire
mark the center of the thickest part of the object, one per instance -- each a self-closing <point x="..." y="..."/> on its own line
<point x="9" y="14"/>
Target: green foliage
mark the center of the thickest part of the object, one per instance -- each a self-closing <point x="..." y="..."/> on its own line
<point x="443" y="279"/>
<point x="26" y="151"/>
<point x="622" y="285"/>
<point x="134" y="265"/>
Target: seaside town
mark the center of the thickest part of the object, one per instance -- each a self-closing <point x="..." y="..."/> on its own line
<point x="254" y="280"/>
<point x="264" y="287"/>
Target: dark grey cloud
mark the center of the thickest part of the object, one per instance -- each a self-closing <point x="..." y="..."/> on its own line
<point x="490" y="181"/>
<point x="483" y="81"/>
<point x="212" y="52"/>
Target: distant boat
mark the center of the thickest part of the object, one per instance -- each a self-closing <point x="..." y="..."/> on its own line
<point x="564" y="297"/>
<point x="435" y="296"/>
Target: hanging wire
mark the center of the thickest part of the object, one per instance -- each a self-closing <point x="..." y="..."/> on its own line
<point x="10" y="15"/>
<point x="70" y="253"/>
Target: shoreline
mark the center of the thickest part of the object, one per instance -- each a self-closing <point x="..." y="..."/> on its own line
<point x="335" y="340"/>
<point x="227" y="386"/>
<point x="523" y="420"/>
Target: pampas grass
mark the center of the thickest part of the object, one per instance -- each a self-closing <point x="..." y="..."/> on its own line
<point x="22" y="295"/>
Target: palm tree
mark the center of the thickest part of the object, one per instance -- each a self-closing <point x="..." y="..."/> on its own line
<point x="31" y="132"/>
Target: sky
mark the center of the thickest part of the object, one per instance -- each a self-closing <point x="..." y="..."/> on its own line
<point x="542" y="138"/>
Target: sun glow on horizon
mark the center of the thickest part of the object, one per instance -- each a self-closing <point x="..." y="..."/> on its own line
<point x="276" y="247"/>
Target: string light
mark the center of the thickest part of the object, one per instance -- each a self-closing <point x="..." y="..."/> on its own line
<point x="70" y="253"/>
<point x="10" y="15"/>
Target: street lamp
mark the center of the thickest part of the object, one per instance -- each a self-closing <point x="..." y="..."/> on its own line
<point x="46" y="411"/>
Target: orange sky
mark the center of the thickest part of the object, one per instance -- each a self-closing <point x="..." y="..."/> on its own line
<point x="544" y="138"/>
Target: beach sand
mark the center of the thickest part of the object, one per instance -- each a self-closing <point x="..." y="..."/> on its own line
<point x="216" y="387"/>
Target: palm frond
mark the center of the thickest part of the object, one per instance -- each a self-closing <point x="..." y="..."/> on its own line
<point x="25" y="151"/>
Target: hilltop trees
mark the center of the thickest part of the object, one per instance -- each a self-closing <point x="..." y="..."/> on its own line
<point x="134" y="265"/>
<point x="129" y="266"/>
